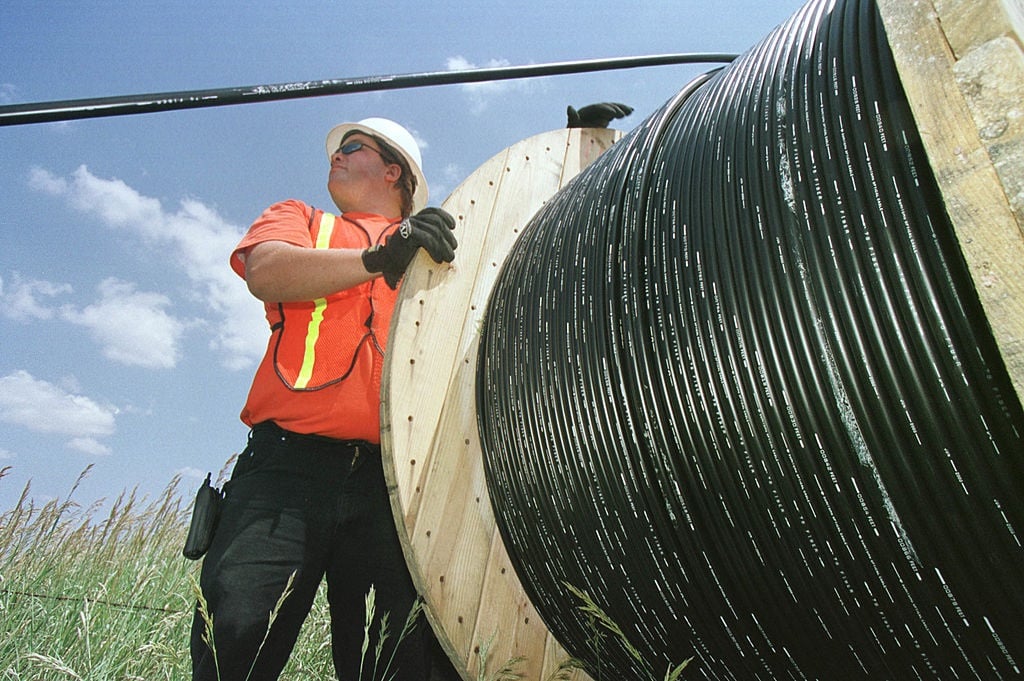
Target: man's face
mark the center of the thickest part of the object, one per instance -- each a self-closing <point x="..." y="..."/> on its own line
<point x="363" y="157"/>
<point x="357" y="168"/>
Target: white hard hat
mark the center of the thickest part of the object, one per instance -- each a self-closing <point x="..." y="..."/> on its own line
<point x="398" y="138"/>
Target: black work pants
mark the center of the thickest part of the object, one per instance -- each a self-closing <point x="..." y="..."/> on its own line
<point x="310" y="507"/>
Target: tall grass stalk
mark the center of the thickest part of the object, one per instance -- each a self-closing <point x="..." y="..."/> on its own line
<point x="507" y="672"/>
<point x="371" y="612"/>
<point x="203" y="611"/>
<point x="288" y="588"/>
<point x="407" y="628"/>
<point x="383" y="635"/>
<point x="91" y="596"/>
<point x="601" y="624"/>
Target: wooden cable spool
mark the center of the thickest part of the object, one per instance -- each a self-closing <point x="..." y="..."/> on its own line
<point x="429" y="438"/>
<point x="961" y="65"/>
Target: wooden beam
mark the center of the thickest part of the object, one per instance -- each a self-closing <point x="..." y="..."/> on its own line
<point x="962" y="67"/>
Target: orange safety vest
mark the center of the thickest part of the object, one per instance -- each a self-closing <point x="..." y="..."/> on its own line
<point x="322" y="369"/>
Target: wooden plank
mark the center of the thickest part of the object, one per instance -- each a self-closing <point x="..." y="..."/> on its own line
<point x="453" y="534"/>
<point x="422" y="364"/>
<point x="990" y="232"/>
<point x="431" y="448"/>
<point x="970" y="23"/>
<point x="421" y="353"/>
<point x="508" y="622"/>
<point x="991" y="77"/>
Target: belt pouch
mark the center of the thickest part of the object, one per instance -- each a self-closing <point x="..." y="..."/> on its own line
<point x="205" y="514"/>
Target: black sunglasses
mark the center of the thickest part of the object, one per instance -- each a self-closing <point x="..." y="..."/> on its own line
<point x="353" y="147"/>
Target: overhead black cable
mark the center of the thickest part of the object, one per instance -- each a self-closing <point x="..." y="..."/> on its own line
<point x="72" y="109"/>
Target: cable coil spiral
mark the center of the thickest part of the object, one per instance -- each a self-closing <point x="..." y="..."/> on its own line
<point x="736" y="384"/>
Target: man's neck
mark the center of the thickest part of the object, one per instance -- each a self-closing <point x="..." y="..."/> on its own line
<point x="385" y="204"/>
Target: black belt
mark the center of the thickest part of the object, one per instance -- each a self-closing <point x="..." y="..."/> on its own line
<point x="269" y="428"/>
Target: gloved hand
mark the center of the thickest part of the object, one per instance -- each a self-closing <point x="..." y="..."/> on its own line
<point x="596" y="115"/>
<point x="430" y="229"/>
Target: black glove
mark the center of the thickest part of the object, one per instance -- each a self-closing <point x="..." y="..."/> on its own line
<point x="596" y="115"/>
<point x="430" y="229"/>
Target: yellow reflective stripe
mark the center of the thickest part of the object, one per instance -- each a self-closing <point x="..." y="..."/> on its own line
<point x="323" y="240"/>
<point x="312" y="334"/>
<point x="323" y="237"/>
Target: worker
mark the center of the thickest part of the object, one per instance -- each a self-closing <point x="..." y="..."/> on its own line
<point x="307" y="497"/>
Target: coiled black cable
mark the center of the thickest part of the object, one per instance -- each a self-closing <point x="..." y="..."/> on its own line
<point x="736" y="384"/>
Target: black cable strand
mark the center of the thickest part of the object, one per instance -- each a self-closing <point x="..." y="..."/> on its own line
<point x="739" y="461"/>
<point x="827" y="437"/>
<point x="644" y="387"/>
<point x="905" y="476"/>
<point x="98" y="601"/>
<point x="714" y="270"/>
<point x="839" y="429"/>
<point x="1000" y="474"/>
<point x="726" y="267"/>
<point x="736" y="384"/>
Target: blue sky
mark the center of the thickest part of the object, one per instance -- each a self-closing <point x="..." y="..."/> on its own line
<point x="127" y="342"/>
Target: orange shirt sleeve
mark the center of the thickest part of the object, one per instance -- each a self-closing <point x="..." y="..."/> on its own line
<point x="286" y="221"/>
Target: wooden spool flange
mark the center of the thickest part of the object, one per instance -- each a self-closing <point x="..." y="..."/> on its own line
<point x="431" y="449"/>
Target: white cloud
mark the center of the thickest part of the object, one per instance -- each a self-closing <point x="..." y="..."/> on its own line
<point x="8" y="93"/>
<point x="450" y="177"/>
<point x="113" y="201"/>
<point x="481" y="94"/>
<point x="20" y="299"/>
<point x="190" y="473"/>
<point x="194" y="238"/>
<point x="45" y="408"/>
<point x="421" y="142"/>
<point x="45" y="181"/>
<point x="88" y="445"/>
<point x="132" y="326"/>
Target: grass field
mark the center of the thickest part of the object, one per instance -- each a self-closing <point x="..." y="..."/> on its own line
<point x="109" y="597"/>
